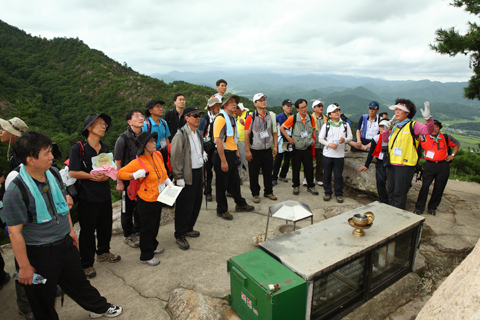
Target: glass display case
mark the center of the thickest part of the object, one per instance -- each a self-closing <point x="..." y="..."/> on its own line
<point x="343" y="271"/>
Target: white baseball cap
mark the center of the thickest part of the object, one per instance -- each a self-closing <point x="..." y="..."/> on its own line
<point x="258" y="96"/>
<point x="317" y="102"/>
<point x="331" y="108"/>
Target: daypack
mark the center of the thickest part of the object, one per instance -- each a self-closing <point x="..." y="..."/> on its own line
<point x="135" y="184"/>
<point x="74" y="189"/>
<point x="23" y="190"/>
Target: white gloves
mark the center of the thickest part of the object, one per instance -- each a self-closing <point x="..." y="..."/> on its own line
<point x="205" y="156"/>
<point x="426" y="113"/>
<point x="168" y="182"/>
<point x="139" y="174"/>
<point x="391" y="123"/>
<point x="181" y="183"/>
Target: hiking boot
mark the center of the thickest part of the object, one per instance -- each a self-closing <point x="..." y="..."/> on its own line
<point x="229" y="194"/>
<point x="209" y="198"/>
<point x="244" y="208"/>
<point x="225" y="215"/>
<point x="283" y="179"/>
<point x="274" y="183"/>
<point x="432" y="212"/>
<point x="152" y="262"/>
<point x="90" y="272"/>
<point x="270" y="196"/>
<point x="327" y="198"/>
<point x="132" y="241"/>
<point x="183" y="243"/>
<point x="296" y="191"/>
<point x="340" y="199"/>
<point x="313" y="191"/>
<point x="305" y="182"/>
<point x="416" y="211"/>
<point x="159" y="250"/>
<point x="110" y="257"/>
<point x="256" y="199"/>
<point x="193" y="234"/>
<point x="113" y="311"/>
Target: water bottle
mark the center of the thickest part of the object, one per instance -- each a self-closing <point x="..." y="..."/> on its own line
<point x="37" y="279"/>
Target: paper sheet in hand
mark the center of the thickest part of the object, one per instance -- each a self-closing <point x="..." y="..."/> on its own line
<point x="169" y="195"/>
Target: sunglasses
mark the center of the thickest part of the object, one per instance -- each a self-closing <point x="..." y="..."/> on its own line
<point x="197" y="115"/>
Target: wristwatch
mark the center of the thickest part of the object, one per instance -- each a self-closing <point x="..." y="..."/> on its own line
<point x="453" y="154"/>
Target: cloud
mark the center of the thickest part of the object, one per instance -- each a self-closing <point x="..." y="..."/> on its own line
<point x="388" y="39"/>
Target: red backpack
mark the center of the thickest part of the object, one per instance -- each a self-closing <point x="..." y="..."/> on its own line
<point x="134" y="185"/>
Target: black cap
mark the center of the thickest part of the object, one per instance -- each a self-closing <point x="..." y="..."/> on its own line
<point x="142" y="140"/>
<point x="90" y="119"/>
<point x="152" y="104"/>
<point x="287" y="101"/>
<point x="437" y="122"/>
<point x="191" y="110"/>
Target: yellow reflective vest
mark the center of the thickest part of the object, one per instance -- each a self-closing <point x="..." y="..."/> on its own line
<point x="402" y="148"/>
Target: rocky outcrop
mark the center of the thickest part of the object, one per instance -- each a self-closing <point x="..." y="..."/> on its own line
<point x="458" y="297"/>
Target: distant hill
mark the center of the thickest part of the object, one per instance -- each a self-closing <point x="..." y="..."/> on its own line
<point x="54" y="84"/>
<point x="352" y="93"/>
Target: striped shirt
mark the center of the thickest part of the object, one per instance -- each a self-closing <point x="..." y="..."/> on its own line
<point x="15" y="213"/>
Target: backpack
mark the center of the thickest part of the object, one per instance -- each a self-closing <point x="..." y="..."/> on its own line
<point x="126" y="149"/>
<point x="328" y="128"/>
<point x="23" y="190"/>
<point x="74" y="189"/>
<point x="135" y="184"/>
<point x="149" y="125"/>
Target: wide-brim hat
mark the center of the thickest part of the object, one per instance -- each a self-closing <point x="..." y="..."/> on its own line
<point x="142" y="140"/>
<point x="228" y="96"/>
<point x="90" y="119"/>
<point x="211" y="102"/>
<point x="14" y="126"/>
<point x="152" y="104"/>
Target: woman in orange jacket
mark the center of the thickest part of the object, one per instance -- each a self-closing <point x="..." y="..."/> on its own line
<point x="150" y="169"/>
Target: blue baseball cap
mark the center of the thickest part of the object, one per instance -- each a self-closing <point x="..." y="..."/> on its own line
<point x="374" y="105"/>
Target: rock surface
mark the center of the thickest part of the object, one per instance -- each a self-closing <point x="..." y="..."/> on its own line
<point x="458" y="297"/>
<point x="187" y="304"/>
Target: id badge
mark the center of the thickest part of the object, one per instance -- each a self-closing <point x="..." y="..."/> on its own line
<point x="161" y="186"/>
<point x="397" y="152"/>
<point x="199" y="159"/>
<point x="163" y="143"/>
<point x="380" y="156"/>
<point x="304" y="134"/>
<point x="430" y="154"/>
<point x="263" y="134"/>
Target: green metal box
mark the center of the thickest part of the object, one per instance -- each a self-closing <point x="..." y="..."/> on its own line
<point x="251" y="274"/>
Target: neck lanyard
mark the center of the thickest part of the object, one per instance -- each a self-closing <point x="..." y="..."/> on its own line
<point x="153" y="165"/>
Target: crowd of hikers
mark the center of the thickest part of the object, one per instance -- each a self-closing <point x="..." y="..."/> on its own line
<point x="185" y="148"/>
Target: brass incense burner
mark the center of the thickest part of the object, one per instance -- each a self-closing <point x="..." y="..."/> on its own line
<point x="361" y="221"/>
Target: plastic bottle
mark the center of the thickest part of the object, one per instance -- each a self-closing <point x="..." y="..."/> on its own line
<point x="37" y="279"/>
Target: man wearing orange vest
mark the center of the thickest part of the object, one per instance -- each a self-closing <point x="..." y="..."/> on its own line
<point x="436" y="167"/>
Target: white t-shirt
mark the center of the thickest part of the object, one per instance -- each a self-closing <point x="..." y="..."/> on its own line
<point x="334" y="134"/>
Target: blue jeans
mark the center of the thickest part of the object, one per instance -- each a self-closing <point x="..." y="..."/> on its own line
<point x="334" y="165"/>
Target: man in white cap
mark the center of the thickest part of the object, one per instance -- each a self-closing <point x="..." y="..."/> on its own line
<point x="260" y="132"/>
<point x="11" y="130"/>
<point x="241" y="115"/>
<point x="402" y="149"/>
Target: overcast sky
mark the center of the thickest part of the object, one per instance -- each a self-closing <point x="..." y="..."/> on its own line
<point x="378" y="38"/>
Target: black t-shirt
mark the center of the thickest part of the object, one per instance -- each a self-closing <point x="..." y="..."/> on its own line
<point x="90" y="191"/>
<point x="174" y="123"/>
